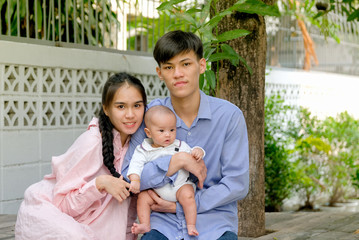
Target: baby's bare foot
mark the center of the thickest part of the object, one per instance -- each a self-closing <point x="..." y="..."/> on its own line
<point x="192" y="231"/>
<point x="140" y="228"/>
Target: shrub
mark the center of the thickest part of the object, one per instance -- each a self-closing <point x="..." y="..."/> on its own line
<point x="278" y="169"/>
<point x="308" y="155"/>
<point x="341" y="172"/>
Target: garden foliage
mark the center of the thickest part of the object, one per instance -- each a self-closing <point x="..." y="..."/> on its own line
<point x="309" y="156"/>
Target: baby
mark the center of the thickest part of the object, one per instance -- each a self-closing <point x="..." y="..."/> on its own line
<point x="160" y="129"/>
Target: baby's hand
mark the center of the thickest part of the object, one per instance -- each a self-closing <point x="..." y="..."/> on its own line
<point x="135" y="186"/>
<point x="197" y="153"/>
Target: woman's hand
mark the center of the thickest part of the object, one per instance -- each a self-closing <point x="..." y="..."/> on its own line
<point x="161" y="205"/>
<point x="188" y="162"/>
<point x="117" y="187"/>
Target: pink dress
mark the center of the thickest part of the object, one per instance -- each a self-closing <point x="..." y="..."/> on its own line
<point x="67" y="205"/>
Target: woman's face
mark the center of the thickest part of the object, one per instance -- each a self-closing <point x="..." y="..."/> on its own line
<point x="126" y="110"/>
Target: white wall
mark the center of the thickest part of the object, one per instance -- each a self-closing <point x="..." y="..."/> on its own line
<point x="48" y="95"/>
<point x="324" y="94"/>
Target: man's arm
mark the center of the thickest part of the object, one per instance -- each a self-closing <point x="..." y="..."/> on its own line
<point x="164" y="170"/>
<point x="234" y="169"/>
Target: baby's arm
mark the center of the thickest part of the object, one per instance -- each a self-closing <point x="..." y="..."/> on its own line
<point x="198" y="153"/>
<point x="135" y="183"/>
<point x="135" y="169"/>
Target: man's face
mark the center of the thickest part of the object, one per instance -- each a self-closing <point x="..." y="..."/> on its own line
<point x="181" y="74"/>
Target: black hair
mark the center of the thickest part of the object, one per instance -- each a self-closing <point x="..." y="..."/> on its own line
<point x="112" y="84"/>
<point x="173" y="43"/>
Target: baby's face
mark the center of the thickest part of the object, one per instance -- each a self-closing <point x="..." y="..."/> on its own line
<point x="163" y="130"/>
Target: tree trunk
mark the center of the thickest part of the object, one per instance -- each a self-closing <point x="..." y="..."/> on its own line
<point x="247" y="91"/>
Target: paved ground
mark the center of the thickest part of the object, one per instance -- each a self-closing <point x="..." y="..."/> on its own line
<point x="285" y="226"/>
<point x="7" y="224"/>
<point x="311" y="225"/>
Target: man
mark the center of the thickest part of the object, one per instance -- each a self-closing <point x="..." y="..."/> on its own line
<point x="211" y="123"/>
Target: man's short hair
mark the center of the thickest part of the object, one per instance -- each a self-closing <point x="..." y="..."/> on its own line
<point x="176" y="42"/>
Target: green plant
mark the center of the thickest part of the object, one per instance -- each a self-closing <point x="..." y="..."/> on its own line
<point x="326" y="156"/>
<point x="279" y="171"/>
<point x="342" y="133"/>
<point x="66" y="21"/>
<point x="352" y="10"/>
<point x="309" y="157"/>
<point x="310" y="161"/>
<point x="203" y="20"/>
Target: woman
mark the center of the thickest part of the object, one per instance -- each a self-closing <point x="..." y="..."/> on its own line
<point x="85" y="197"/>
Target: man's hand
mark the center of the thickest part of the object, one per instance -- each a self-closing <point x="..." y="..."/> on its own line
<point x="188" y="162"/>
<point x="161" y="205"/>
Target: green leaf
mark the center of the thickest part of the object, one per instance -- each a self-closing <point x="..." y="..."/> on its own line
<point x="169" y="5"/>
<point x="245" y="64"/>
<point x="257" y="7"/>
<point x="193" y="10"/>
<point x="2" y="3"/>
<point x="230" y="51"/>
<point x="22" y="8"/>
<point x="354" y="15"/>
<point x="233" y="34"/>
<point x="39" y="16"/>
<point x="201" y="81"/>
<point x="211" y="78"/>
<point x="319" y="14"/>
<point x="236" y="4"/>
<point x="221" y="56"/>
<point x="215" y="20"/>
<point x="188" y="18"/>
<point x="208" y="52"/>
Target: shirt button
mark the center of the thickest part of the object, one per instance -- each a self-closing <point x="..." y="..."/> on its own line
<point x="189" y="133"/>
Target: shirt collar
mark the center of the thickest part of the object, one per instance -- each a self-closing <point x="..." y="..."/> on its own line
<point x="204" y="111"/>
<point x="147" y="144"/>
<point x="117" y="138"/>
<point x="116" y="134"/>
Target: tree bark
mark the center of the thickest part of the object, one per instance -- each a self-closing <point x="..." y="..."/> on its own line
<point x="246" y="91"/>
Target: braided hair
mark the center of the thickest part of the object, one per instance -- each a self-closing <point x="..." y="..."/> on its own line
<point x="113" y="83"/>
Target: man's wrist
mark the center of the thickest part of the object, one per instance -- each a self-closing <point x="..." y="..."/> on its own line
<point x="175" y="164"/>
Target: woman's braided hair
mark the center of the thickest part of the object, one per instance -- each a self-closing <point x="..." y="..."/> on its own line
<point x="113" y="83"/>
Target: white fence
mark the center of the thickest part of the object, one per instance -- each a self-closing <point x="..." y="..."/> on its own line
<point x="325" y="94"/>
<point x="49" y="94"/>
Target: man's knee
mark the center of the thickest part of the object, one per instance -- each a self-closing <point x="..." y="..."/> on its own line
<point x="154" y="235"/>
<point x="228" y="236"/>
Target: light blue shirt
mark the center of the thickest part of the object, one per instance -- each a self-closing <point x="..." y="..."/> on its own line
<point x="220" y="129"/>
